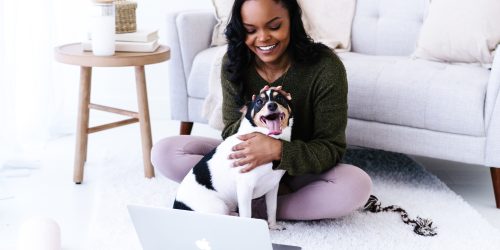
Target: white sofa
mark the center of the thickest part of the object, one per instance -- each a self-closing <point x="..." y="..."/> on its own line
<point x="396" y="103"/>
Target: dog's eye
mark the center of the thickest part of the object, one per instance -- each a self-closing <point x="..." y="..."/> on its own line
<point x="279" y="98"/>
<point x="259" y="102"/>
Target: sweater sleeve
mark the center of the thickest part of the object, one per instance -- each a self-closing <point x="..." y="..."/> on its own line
<point x="328" y="144"/>
<point x="231" y="107"/>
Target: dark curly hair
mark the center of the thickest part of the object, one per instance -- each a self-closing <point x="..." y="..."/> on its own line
<point x="301" y="48"/>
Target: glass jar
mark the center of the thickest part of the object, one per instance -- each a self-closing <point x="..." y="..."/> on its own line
<point x="103" y="28"/>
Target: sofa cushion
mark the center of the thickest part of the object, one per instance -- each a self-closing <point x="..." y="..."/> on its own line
<point x="396" y="90"/>
<point x="387" y="27"/>
<point x="222" y="14"/>
<point x="416" y="93"/>
<point x="329" y="22"/>
<point x="471" y="35"/>
<point x="200" y="72"/>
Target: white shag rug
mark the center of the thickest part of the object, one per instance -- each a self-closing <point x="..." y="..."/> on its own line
<point x="397" y="179"/>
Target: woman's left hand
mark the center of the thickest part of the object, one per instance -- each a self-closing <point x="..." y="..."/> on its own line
<point x="255" y="150"/>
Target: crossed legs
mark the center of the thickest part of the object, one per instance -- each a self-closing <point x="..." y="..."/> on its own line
<point x="332" y="194"/>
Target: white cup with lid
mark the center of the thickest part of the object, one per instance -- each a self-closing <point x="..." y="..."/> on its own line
<point x="103" y="27"/>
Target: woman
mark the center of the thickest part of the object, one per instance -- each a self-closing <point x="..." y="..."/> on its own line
<point x="269" y="46"/>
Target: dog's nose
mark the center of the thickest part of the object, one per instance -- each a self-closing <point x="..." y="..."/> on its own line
<point x="272" y="106"/>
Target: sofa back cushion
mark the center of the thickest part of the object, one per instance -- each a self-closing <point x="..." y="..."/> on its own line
<point x="329" y="21"/>
<point x="471" y="31"/>
<point x="387" y="27"/>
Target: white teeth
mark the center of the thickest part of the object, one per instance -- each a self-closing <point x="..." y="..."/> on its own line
<point x="265" y="48"/>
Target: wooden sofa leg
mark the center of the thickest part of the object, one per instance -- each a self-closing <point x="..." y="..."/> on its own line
<point x="186" y="128"/>
<point x="495" y="177"/>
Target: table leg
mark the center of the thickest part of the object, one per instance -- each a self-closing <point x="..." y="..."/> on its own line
<point x="142" y="100"/>
<point x="82" y="124"/>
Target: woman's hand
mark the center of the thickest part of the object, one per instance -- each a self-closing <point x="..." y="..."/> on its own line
<point x="255" y="150"/>
<point x="277" y="88"/>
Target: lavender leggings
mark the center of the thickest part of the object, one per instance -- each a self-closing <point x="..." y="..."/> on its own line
<point x="332" y="194"/>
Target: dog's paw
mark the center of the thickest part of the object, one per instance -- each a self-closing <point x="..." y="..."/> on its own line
<point x="276" y="227"/>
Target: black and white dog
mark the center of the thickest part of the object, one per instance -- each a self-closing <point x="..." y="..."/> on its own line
<point x="215" y="186"/>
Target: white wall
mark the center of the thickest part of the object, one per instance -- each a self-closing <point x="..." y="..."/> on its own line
<point x="112" y="86"/>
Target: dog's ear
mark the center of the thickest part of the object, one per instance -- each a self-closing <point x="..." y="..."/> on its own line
<point x="247" y="112"/>
<point x="290" y="107"/>
<point x="244" y="109"/>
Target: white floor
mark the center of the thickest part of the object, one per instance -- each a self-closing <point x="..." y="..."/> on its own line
<point x="45" y="187"/>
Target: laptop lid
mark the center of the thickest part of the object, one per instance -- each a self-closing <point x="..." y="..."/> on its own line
<point x="165" y="228"/>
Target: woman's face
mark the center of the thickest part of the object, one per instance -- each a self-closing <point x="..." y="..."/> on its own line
<point x="267" y="24"/>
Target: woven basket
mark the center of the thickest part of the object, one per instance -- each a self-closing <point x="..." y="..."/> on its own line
<point x="125" y="16"/>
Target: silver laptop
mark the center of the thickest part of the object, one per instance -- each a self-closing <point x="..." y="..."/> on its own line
<point x="165" y="228"/>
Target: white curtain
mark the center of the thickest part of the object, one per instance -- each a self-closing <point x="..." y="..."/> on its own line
<point x="37" y="94"/>
<point x="25" y="75"/>
<point x="31" y="93"/>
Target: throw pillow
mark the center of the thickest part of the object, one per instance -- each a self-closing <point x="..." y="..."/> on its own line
<point x="222" y="14"/>
<point x="329" y="21"/>
<point x="460" y="31"/>
<point x="326" y="21"/>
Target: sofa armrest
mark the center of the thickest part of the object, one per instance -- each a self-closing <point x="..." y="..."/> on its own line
<point x="493" y="86"/>
<point x="492" y="114"/>
<point x="188" y="33"/>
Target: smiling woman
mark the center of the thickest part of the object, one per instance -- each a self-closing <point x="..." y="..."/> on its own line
<point x="268" y="45"/>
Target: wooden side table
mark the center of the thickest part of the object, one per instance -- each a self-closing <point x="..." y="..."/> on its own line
<point x="73" y="54"/>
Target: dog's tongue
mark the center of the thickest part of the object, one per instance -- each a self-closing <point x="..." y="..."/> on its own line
<point x="274" y="126"/>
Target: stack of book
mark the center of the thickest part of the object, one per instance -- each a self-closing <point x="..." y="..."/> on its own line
<point x="139" y="41"/>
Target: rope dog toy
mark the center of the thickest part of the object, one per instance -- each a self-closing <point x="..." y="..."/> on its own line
<point x="421" y="226"/>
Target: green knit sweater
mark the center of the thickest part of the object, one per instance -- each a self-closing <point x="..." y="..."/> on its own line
<point x="319" y="102"/>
